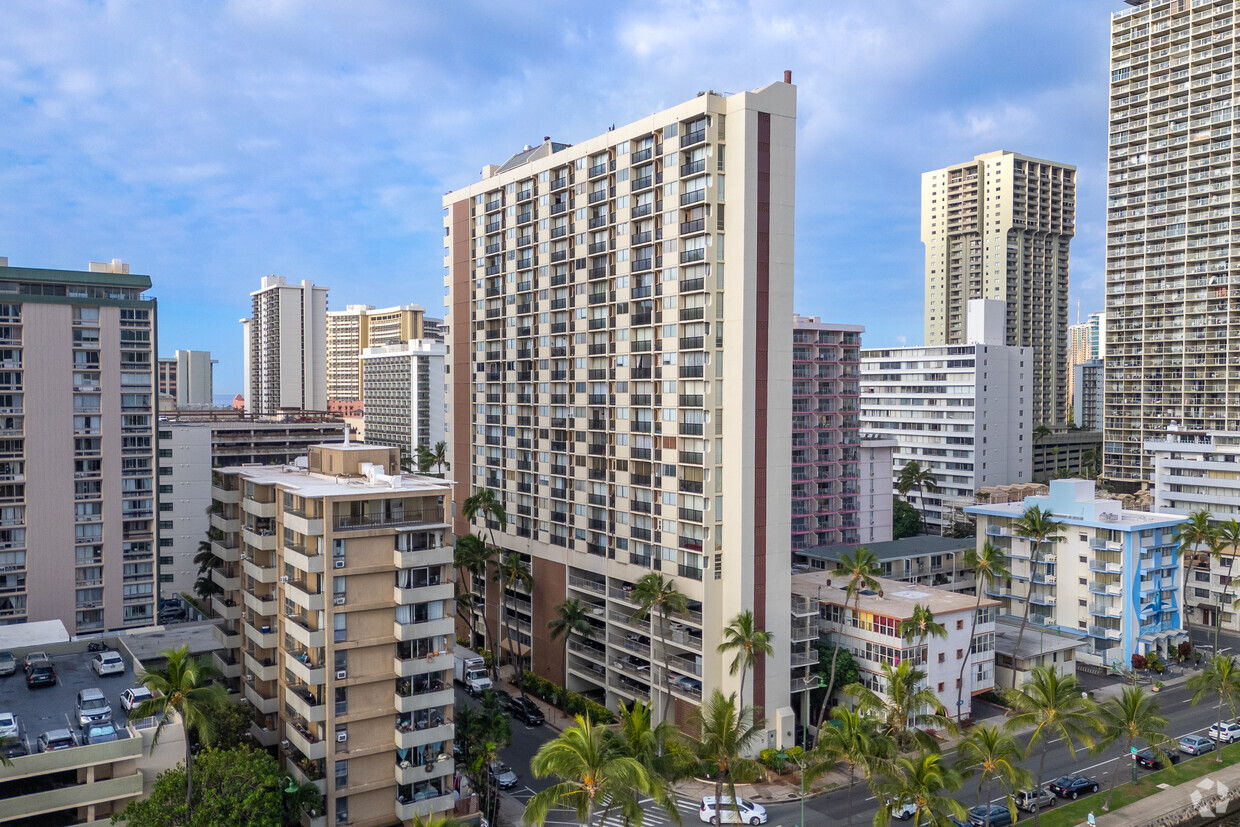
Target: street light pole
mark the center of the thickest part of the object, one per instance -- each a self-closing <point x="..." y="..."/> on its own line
<point x="784" y="755"/>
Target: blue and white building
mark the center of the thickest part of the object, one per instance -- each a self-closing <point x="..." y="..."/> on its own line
<point x="1114" y="577"/>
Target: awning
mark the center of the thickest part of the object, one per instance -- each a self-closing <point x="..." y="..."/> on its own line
<point x="521" y="649"/>
<point x="1205" y="607"/>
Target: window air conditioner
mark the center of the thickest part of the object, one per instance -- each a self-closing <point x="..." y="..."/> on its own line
<point x="341" y="737"/>
<point x="339" y="564"/>
<point x="284" y="579"/>
<point x="341" y="674"/>
<point x="339" y="601"/>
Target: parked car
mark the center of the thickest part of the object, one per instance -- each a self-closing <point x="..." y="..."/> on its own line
<point x="101" y="733"/>
<point x="31" y="657"/>
<point x="107" y="663"/>
<point x="503" y="775"/>
<point x="903" y="810"/>
<point x="1032" y="800"/>
<point x="8" y="664"/>
<point x="523" y="709"/>
<point x="742" y="812"/>
<point x="92" y="707"/>
<point x="502" y="698"/>
<point x="55" y="739"/>
<point x="14" y="748"/>
<point x="130" y="698"/>
<point x="1152" y="761"/>
<point x="1225" y="732"/>
<point x="40" y="673"/>
<point x="1196" y="745"/>
<point x="1000" y="816"/>
<point x="1073" y="786"/>
<point x="8" y="725"/>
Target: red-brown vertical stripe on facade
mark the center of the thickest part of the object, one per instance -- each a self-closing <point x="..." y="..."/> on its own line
<point x="761" y="346"/>
<point x="461" y="363"/>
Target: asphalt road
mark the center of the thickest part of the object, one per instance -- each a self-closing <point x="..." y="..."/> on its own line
<point x="831" y="808"/>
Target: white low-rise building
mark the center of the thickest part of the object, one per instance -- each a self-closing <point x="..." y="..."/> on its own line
<point x="872" y="634"/>
<point x="1114" y="576"/>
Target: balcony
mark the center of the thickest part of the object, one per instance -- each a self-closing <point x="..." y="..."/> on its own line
<point x="225" y="524"/>
<point x="227" y="581"/>
<point x="264" y="540"/>
<point x="259" y="701"/>
<point x="264" y="637"/>
<point x="304" y="669"/>
<point x="305" y="704"/>
<point x="230" y="496"/>
<point x="226" y="664"/>
<point x="263" y="571"/>
<point x="428" y="806"/>
<point x="299" y="593"/>
<point x="431" y="592"/>
<point x="264" y="605"/>
<point x="298" y="628"/>
<point x="410" y="773"/>
<point x="428" y="698"/>
<point x="227" y="639"/>
<point x="308" y="563"/>
<point x="410" y="736"/>
<point x="422" y="629"/>
<point x="265" y="671"/>
<point x="306" y="743"/>
<point x="307" y="526"/>
<point x="225" y="607"/>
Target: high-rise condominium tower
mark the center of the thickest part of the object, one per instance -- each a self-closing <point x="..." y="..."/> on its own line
<point x="357" y="327"/>
<point x="1172" y="318"/>
<point x="1085" y="344"/>
<point x="999" y="227"/>
<point x="187" y="378"/>
<point x="620" y="376"/>
<point x="285" y="347"/>
<point x="77" y="452"/>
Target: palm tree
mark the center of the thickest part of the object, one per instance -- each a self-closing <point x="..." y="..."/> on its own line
<point x="512" y="571"/>
<point x="659" y="748"/>
<point x="1220" y="677"/>
<point x="439" y="456"/>
<point x="925" y="782"/>
<point x="1089" y="463"/>
<point x="744" y="637"/>
<point x="1055" y="707"/>
<point x="921" y="625"/>
<point x="913" y="476"/>
<point x="206" y="557"/>
<point x="862" y="570"/>
<point x="903" y="707"/>
<point x="988" y="565"/>
<point x="1040" y="433"/>
<point x="658" y="594"/>
<point x="471" y="558"/>
<point x="593" y="770"/>
<point x="487" y="505"/>
<point x="1194" y="532"/>
<point x="1038" y="527"/>
<point x="424" y="459"/>
<point x="725" y="735"/>
<point x="1227" y="536"/>
<point x="298" y="796"/>
<point x="995" y="756"/>
<point x="182" y="688"/>
<point x="572" y="620"/>
<point x="854" y="739"/>
<point x="1133" y="716"/>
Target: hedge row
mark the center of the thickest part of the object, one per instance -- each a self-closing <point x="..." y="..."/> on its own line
<point x="550" y="692"/>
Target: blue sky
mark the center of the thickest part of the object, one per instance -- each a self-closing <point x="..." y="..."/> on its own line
<point x="210" y="143"/>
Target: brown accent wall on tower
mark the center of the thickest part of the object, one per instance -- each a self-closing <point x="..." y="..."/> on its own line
<point x="761" y="354"/>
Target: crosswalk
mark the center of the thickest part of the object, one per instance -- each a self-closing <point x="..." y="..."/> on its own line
<point x="655" y="816"/>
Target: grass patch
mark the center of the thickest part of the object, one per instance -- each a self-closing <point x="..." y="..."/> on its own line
<point x="1070" y="813"/>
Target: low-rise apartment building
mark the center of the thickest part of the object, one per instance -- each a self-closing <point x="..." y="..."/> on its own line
<point x="1114" y="576"/>
<point x="923" y="560"/>
<point x="872" y="634"/>
<point x="338" y="625"/>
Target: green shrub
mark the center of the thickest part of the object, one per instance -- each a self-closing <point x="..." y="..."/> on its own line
<point x="772" y="760"/>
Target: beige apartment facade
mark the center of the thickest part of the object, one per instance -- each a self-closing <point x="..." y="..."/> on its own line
<point x="999" y="227"/>
<point x="338" y="625"/>
<point x="1172" y="320"/>
<point x="627" y="399"/>
<point x="357" y="327"/>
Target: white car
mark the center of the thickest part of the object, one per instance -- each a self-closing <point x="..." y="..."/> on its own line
<point x="8" y="725"/>
<point x="742" y="812"/>
<point x="130" y="698"/>
<point x="1226" y="732"/>
<point x="108" y="663"/>
<point x="903" y="811"/>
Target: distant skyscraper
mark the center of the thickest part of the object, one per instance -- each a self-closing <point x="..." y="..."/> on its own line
<point x="77" y="393"/>
<point x="187" y="378"/>
<point x="357" y="327"/>
<point x="403" y="386"/>
<point x="1085" y="344"/>
<point x="285" y="347"/>
<point x="999" y="227"/>
<point x="628" y="402"/>
<point x="1172" y="314"/>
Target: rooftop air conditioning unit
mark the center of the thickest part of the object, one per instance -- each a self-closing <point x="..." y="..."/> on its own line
<point x="339" y="601"/>
<point x="342" y="737"/>
<point x="341" y="674"/>
<point x="339" y="564"/>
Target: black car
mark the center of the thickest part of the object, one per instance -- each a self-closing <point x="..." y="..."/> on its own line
<point x="40" y="673"/>
<point x="523" y="709"/>
<point x="502" y="698"/>
<point x="1000" y="816"/>
<point x="1073" y="786"/>
<point x="1148" y="759"/>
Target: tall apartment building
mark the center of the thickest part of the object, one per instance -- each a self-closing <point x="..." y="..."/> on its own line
<point x="77" y="478"/>
<point x="353" y="681"/>
<point x="403" y="387"/>
<point x="841" y="484"/>
<point x="999" y="227"/>
<point x="962" y="411"/>
<point x="191" y="445"/>
<point x="1115" y="576"/>
<point x="1085" y="344"/>
<point x="628" y="400"/>
<point x="285" y="350"/>
<point x="1170" y="317"/>
<point x="1088" y="394"/>
<point x="187" y="378"/>
<point x="357" y="327"/>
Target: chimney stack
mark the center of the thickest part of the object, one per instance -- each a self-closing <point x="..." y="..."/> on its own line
<point x="787" y="76"/>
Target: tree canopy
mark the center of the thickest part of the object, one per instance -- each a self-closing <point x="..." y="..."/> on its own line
<point x="906" y="522"/>
<point x="234" y="786"/>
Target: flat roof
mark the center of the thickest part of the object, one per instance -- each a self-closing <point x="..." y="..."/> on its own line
<point x="32" y="633"/>
<point x="1038" y="639"/>
<point x="75" y="277"/>
<point x="310" y="484"/>
<point x="897" y="600"/>
<point x="52" y="707"/>
<point x="1121" y="516"/>
<point x="893" y="549"/>
<point x="149" y="643"/>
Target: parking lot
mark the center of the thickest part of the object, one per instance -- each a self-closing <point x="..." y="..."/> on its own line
<point x="52" y="707"/>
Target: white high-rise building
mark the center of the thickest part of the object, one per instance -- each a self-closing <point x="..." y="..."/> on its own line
<point x="629" y="401"/>
<point x="357" y="327"/>
<point x="403" y="385"/>
<point x="961" y="411"/>
<point x="1172" y="319"/>
<point x="999" y="227"/>
<point x="285" y="347"/>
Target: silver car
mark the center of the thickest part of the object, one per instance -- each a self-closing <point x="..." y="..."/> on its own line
<point x="1196" y="744"/>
